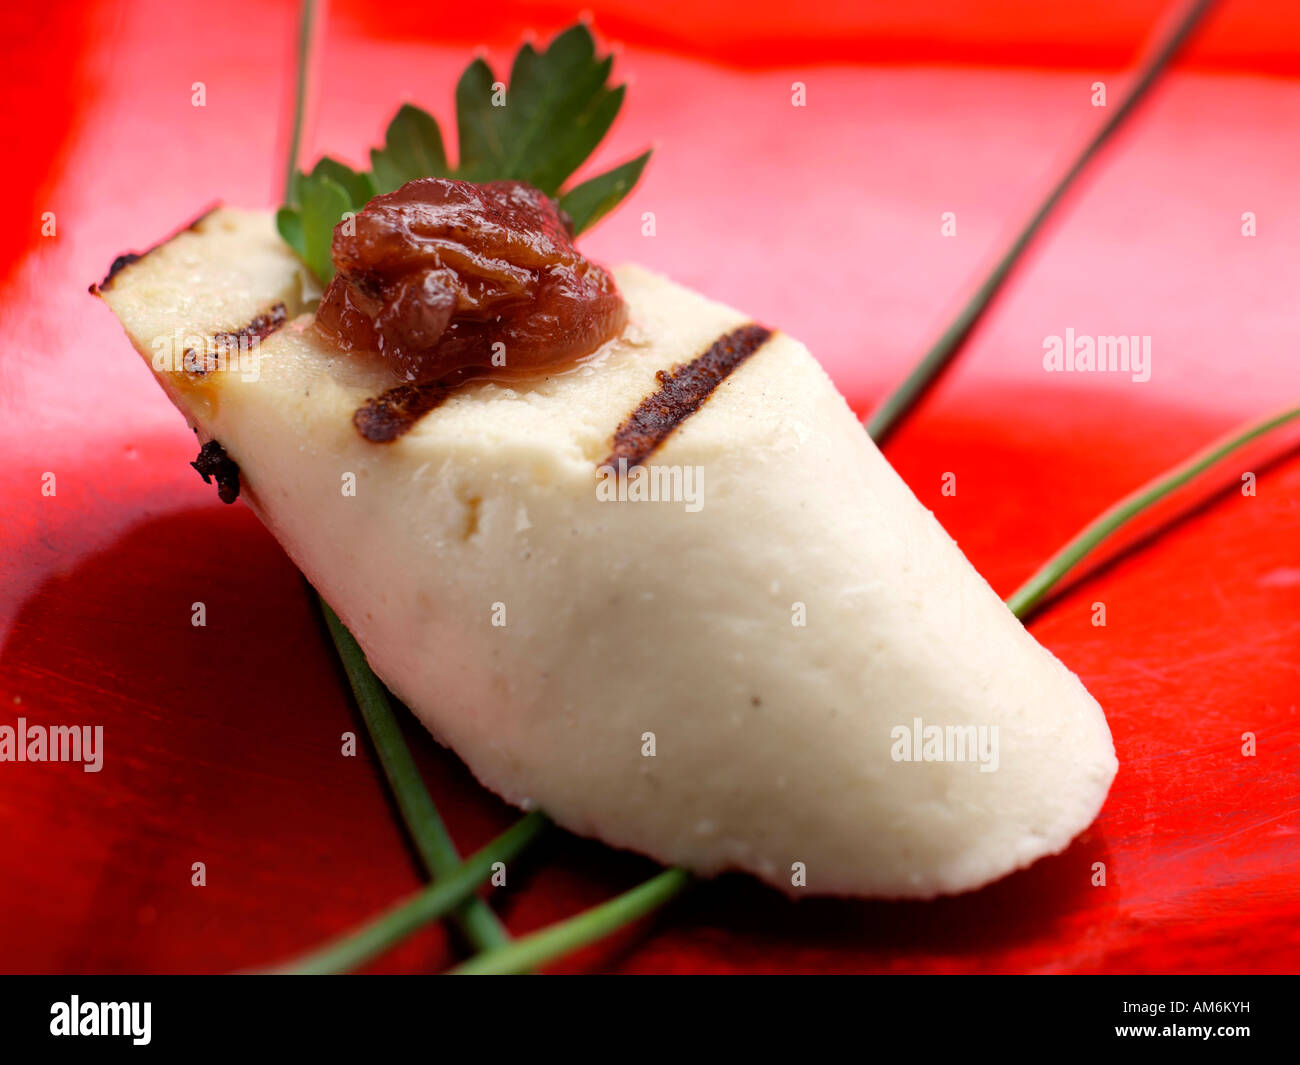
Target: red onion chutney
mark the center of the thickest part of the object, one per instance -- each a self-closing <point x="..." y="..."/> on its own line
<point x="450" y="280"/>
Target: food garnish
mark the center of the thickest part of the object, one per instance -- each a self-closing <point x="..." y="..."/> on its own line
<point x="539" y="130"/>
<point x="447" y="277"/>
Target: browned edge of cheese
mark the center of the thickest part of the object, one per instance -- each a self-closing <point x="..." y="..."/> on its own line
<point x="213" y="462"/>
<point x="128" y="257"/>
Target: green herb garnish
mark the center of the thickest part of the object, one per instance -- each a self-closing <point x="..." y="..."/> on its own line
<point x="428" y="832"/>
<point x="1029" y="595"/>
<point x="886" y="417"/>
<point x="443" y="896"/>
<point x="539" y="129"/>
<point x="566" y="936"/>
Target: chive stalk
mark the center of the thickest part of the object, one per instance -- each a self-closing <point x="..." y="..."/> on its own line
<point x="563" y="937"/>
<point x="429" y="834"/>
<point x="306" y="18"/>
<point x="1030" y="594"/>
<point x="886" y="418"/>
<point x="354" y="949"/>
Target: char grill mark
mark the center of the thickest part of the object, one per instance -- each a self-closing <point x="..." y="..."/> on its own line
<point x="258" y="329"/>
<point x="682" y="391"/>
<point x="229" y="346"/>
<point x="386" y="417"/>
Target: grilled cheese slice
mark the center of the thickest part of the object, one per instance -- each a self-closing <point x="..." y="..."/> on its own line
<point x="795" y="672"/>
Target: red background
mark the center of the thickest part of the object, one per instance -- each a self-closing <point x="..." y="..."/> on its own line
<point x="222" y="743"/>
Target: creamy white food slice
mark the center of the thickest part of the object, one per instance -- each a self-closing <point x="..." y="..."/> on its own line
<point x="731" y="680"/>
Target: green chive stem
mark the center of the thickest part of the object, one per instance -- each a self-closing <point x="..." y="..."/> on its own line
<point x="306" y="17"/>
<point x="886" y="418"/>
<point x="425" y="826"/>
<point x="561" y="938"/>
<point x="354" y="949"/>
<point x="1035" y="589"/>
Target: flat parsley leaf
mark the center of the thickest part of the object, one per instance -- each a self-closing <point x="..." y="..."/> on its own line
<point x="540" y="128"/>
<point x="413" y="145"/>
<point x="321" y="198"/>
<point x="589" y="202"/>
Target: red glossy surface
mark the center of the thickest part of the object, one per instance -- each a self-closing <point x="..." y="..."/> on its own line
<point x="222" y="743"/>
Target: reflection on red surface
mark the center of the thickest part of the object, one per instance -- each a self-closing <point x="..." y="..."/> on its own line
<point x="222" y="744"/>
